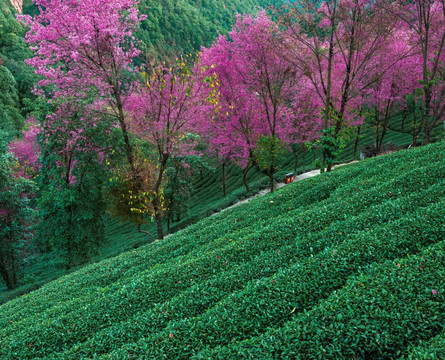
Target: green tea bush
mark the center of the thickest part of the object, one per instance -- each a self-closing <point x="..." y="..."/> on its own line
<point x="240" y="274"/>
<point x="428" y="350"/>
<point x="377" y="315"/>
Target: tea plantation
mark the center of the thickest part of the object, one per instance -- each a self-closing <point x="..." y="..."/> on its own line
<point x="206" y="198"/>
<point x="346" y="265"/>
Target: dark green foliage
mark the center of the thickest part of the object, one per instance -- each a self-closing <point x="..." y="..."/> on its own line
<point x="16" y="78"/>
<point x="16" y="218"/>
<point x="376" y="315"/>
<point x="72" y="222"/>
<point x="11" y="121"/>
<point x="325" y="267"/>
<point x="72" y="181"/>
<point x="183" y="26"/>
<point x="428" y="350"/>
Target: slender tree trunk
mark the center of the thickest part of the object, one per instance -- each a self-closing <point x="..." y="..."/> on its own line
<point x="296" y="154"/>
<point x="145" y="232"/>
<point x="377" y="137"/>
<point x="245" y="171"/>
<point x="271" y="182"/>
<point x="7" y="271"/>
<point x="328" y="87"/>
<point x="158" y="217"/>
<point x="157" y="206"/>
<point x="223" y="178"/>
<point x="384" y="130"/>
<point x="426" y="139"/>
<point x="359" y="128"/>
<point x="124" y="128"/>
<point x="403" y="121"/>
<point x="329" y="167"/>
<point x="69" y="255"/>
<point x="304" y="162"/>
<point x="69" y="241"/>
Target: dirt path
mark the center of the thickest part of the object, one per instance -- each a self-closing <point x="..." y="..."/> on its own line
<point x="300" y="177"/>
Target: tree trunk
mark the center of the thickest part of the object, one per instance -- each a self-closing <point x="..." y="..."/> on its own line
<point x="145" y="232"/>
<point x="359" y="128"/>
<point x="403" y="120"/>
<point x="124" y="128"/>
<point x="271" y="182"/>
<point x="7" y="273"/>
<point x="158" y="218"/>
<point x="245" y="171"/>
<point x="377" y="138"/>
<point x="426" y="139"/>
<point x="304" y="162"/>
<point x="69" y="241"/>
<point x="223" y="175"/>
<point x="296" y="154"/>
<point x="157" y="206"/>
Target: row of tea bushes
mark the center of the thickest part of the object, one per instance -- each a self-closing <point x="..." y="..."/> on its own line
<point x="147" y="300"/>
<point x="271" y="301"/>
<point x="193" y="301"/>
<point x="117" y="301"/>
<point x="432" y="349"/>
<point x="377" y="315"/>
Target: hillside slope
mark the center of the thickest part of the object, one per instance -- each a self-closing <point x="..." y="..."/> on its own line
<point x="343" y="265"/>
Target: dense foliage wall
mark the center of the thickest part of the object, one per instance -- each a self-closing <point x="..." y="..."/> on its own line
<point x="16" y="78"/>
<point x="186" y="25"/>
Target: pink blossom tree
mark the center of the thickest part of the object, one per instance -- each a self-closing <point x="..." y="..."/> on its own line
<point x="306" y="123"/>
<point x="387" y="91"/>
<point x="26" y="150"/>
<point x="426" y="19"/>
<point x="165" y="109"/>
<point x="84" y="49"/>
<point x="334" y="45"/>
<point x="256" y="87"/>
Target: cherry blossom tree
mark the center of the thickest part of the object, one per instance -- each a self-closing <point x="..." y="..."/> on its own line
<point x="426" y="19"/>
<point x="84" y="49"/>
<point x="165" y="110"/>
<point x="388" y="91"/>
<point x="334" y="45"/>
<point x="255" y="89"/>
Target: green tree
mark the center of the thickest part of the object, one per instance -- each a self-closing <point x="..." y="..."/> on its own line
<point x="16" y="218"/>
<point x="74" y="172"/>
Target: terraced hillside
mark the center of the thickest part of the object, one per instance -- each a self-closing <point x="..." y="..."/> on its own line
<point x="348" y="265"/>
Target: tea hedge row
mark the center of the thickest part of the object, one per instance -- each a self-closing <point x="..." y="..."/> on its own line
<point x="376" y="316"/>
<point x="272" y="301"/>
<point x="228" y="281"/>
<point x="432" y="349"/>
<point x="308" y="221"/>
<point x="149" y="290"/>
